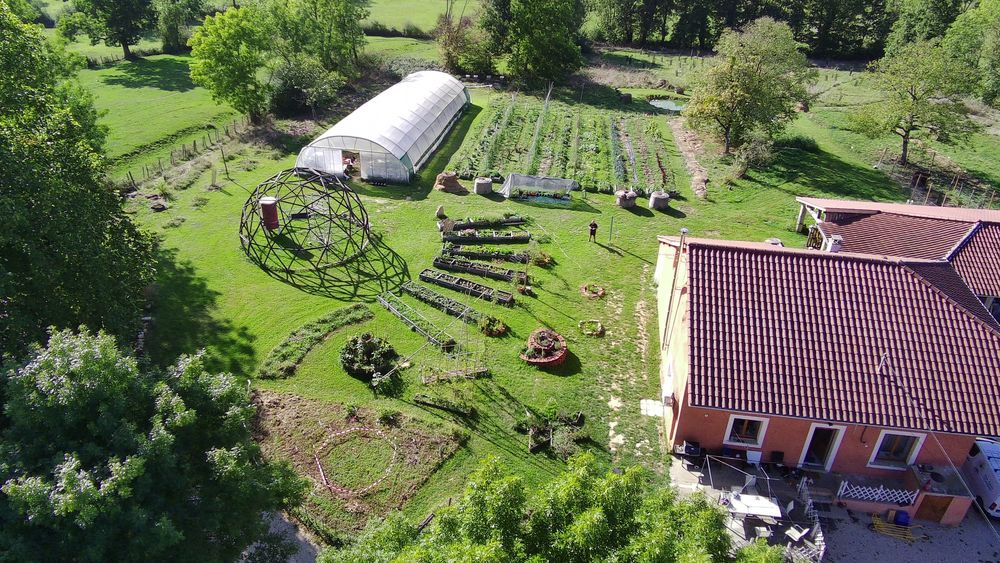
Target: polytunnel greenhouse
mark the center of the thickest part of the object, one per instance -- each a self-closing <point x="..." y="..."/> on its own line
<point x="392" y="135"/>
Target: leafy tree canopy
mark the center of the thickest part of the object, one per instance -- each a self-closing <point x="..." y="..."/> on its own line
<point x="759" y="75"/>
<point x="116" y="22"/>
<point x="172" y="21"/>
<point x="920" y="20"/>
<point x="543" y="38"/>
<point x="923" y="89"/>
<point x="68" y="253"/>
<point x="229" y="51"/>
<point x="104" y="460"/>
<point x="584" y="515"/>
<point x="974" y="39"/>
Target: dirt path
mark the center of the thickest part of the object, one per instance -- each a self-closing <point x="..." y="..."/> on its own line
<point x="690" y="146"/>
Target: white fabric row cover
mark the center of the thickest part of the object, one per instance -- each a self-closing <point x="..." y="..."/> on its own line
<point x="396" y="131"/>
<point x="542" y="184"/>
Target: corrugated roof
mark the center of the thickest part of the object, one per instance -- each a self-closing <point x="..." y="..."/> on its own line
<point x="891" y="234"/>
<point x="802" y="333"/>
<point x="928" y="211"/>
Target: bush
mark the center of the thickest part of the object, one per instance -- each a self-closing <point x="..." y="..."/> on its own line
<point x="389" y="417"/>
<point x="284" y="359"/>
<point x="368" y="358"/>
<point x="800" y="142"/>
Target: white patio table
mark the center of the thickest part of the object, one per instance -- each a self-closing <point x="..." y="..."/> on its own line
<point x="754" y="505"/>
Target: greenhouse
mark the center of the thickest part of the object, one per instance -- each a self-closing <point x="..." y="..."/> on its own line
<point x="522" y="185"/>
<point x="392" y="135"/>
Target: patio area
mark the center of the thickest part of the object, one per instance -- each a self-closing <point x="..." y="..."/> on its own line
<point x="832" y="533"/>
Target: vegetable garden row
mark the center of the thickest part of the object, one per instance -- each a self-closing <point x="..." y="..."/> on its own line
<point x="603" y="150"/>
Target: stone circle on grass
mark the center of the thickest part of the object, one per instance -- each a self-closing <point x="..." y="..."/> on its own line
<point x="303" y="220"/>
<point x="329" y="481"/>
<point x="592" y="291"/>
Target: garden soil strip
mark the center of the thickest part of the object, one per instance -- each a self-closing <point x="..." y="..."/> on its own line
<point x="690" y="146"/>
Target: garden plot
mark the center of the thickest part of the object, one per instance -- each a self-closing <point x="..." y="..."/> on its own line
<point x="603" y="150"/>
<point x="359" y="466"/>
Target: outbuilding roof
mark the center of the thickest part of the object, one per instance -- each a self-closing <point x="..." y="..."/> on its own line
<point x="839" y="337"/>
<point x="891" y="234"/>
<point x="928" y="211"/>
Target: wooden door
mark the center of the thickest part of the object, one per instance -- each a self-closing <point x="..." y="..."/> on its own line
<point x="933" y="507"/>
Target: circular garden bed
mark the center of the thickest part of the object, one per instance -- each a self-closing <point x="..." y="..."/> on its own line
<point x="546" y="348"/>
<point x="592" y="291"/>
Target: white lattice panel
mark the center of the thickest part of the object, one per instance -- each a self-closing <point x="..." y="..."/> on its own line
<point x="879" y="494"/>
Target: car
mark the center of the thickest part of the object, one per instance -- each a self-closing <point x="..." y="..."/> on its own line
<point x="982" y="473"/>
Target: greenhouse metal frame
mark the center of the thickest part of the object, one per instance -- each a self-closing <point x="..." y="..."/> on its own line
<point x="542" y="184"/>
<point x="393" y="134"/>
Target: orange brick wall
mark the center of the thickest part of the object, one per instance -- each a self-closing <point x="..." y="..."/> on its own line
<point x="708" y="427"/>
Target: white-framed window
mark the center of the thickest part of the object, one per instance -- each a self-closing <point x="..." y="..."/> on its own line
<point x="744" y="430"/>
<point x="896" y="449"/>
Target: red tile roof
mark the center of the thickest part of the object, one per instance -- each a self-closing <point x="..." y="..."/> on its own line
<point x="889" y="234"/>
<point x="801" y="333"/>
<point x="928" y="211"/>
<point x="978" y="260"/>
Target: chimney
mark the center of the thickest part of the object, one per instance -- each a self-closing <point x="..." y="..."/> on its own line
<point x="833" y="243"/>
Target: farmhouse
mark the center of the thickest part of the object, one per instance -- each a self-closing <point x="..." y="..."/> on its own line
<point x="969" y="239"/>
<point x="392" y="135"/>
<point x="879" y="369"/>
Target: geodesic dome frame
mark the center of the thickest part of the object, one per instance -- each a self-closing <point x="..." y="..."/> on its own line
<point x="302" y="220"/>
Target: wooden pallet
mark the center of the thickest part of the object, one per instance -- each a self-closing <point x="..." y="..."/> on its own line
<point x="904" y="533"/>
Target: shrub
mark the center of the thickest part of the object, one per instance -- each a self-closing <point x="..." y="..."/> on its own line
<point x="800" y="142"/>
<point x="389" y="417"/>
<point x="368" y="358"/>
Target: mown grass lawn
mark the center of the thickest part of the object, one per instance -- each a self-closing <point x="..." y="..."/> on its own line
<point x="421" y="13"/>
<point x="151" y="106"/>
<point x="212" y="296"/>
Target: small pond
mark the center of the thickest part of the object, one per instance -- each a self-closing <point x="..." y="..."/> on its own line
<point x="668" y="104"/>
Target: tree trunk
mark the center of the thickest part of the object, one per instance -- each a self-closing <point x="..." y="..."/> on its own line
<point x="728" y="143"/>
<point x="904" y="153"/>
<point x="128" y="52"/>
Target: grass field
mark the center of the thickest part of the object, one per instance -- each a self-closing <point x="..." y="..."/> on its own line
<point x="391" y="47"/>
<point x="81" y="46"/>
<point x="421" y="13"/>
<point x="211" y="296"/>
<point x="151" y="108"/>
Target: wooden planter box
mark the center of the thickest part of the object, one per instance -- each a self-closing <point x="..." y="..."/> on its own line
<point x="442" y="303"/>
<point x="469" y="287"/>
<point x="479" y="269"/>
<point x="483" y="254"/>
<point x="508" y="222"/>
<point x="488" y="237"/>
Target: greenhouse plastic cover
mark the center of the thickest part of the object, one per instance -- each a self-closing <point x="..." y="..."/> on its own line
<point x="407" y="120"/>
<point x="538" y="184"/>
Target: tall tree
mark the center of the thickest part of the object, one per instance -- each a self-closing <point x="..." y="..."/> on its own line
<point x="918" y="20"/>
<point x="923" y="89"/>
<point x="230" y="50"/>
<point x="759" y="75"/>
<point x="974" y="39"/>
<point x="173" y="17"/>
<point x="115" y="22"/>
<point x="495" y="21"/>
<point x="68" y="253"/>
<point x="544" y="36"/>
<point x="583" y="515"/>
<point x="106" y="461"/>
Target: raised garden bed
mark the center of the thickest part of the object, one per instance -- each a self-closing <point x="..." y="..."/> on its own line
<point x="546" y="348"/>
<point x="479" y="269"/>
<point x="468" y="287"/>
<point x="592" y="291"/>
<point x="444" y="404"/>
<point x="489" y="223"/>
<point x="471" y="236"/>
<point x="480" y="253"/>
<point x="490" y="326"/>
<point x="591" y="327"/>
<point x="418" y="323"/>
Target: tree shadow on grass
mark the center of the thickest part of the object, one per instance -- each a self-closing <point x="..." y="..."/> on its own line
<point x="184" y="321"/>
<point x="824" y="173"/>
<point x="165" y="73"/>
<point x="375" y="271"/>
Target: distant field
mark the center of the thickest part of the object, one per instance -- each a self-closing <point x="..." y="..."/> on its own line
<point x="151" y="106"/>
<point x="83" y="47"/>
<point x="392" y="47"/>
<point x="421" y="13"/>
